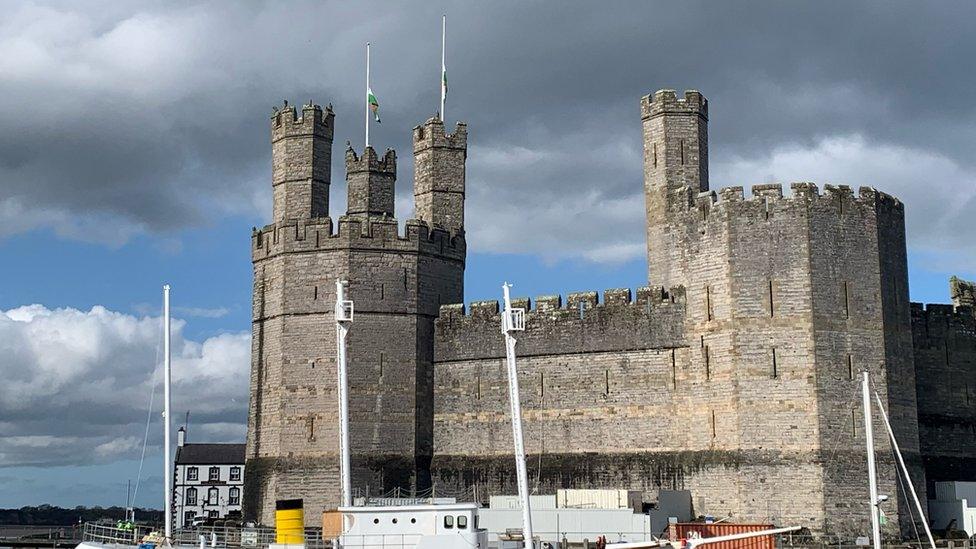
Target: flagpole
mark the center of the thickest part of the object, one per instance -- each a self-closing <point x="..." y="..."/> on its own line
<point x="367" y="95"/>
<point x="443" y="65"/>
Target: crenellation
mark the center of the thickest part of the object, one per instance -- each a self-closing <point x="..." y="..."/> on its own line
<point x="772" y="191"/>
<point x="545" y="303"/>
<point x="617" y="297"/>
<point x="373" y="233"/>
<point x="487" y="308"/>
<point x="584" y="300"/>
<point x="667" y="101"/>
<point x="370" y="161"/>
<point x="314" y="120"/>
<point x="432" y="134"/>
<point x="839" y="191"/>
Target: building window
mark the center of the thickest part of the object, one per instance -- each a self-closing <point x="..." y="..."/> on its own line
<point x="215" y="473"/>
<point x="235" y="496"/>
<point x="462" y="521"/>
<point x="192" y="473"/>
<point x="213" y="514"/>
<point x="235" y="473"/>
<point x="448" y="521"/>
<point x="191" y="496"/>
<point x="188" y="517"/>
<point x="213" y="496"/>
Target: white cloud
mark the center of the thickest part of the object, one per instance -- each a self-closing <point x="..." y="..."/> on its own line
<point x="77" y="384"/>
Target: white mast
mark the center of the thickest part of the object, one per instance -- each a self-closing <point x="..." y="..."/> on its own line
<point x="872" y="474"/>
<point x="904" y="470"/>
<point x="367" y="95"/>
<point x="443" y="66"/>
<point x="343" y="316"/>
<point x="167" y="469"/>
<point x="514" y="320"/>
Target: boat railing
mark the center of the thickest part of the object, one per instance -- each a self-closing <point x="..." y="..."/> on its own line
<point x="246" y="537"/>
<point x="108" y="533"/>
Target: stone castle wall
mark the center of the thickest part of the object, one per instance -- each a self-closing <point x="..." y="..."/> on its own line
<point x="945" y="372"/>
<point x="735" y="375"/>
<point x="397" y="281"/>
<point x="742" y="388"/>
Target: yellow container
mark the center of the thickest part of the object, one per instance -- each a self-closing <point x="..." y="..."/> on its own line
<point x="289" y="522"/>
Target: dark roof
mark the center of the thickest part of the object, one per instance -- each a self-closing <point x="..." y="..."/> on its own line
<point x="210" y="454"/>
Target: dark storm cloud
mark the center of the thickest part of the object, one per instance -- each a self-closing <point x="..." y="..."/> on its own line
<point x="155" y="117"/>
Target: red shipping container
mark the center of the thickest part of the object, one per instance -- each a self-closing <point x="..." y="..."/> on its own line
<point x="682" y="530"/>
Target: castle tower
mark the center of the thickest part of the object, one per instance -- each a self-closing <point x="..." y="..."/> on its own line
<point x="439" y="174"/>
<point x="301" y="166"/>
<point x="397" y="280"/>
<point x="370" y="181"/>
<point x="675" y="168"/>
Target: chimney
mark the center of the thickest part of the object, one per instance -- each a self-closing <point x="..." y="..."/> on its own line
<point x="180" y="436"/>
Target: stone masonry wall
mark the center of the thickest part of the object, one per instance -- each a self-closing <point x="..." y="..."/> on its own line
<point x="397" y="282"/>
<point x="945" y="374"/>
<point x="610" y="397"/>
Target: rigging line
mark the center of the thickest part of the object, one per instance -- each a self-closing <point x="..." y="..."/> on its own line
<point x="835" y="446"/>
<point x="905" y="495"/>
<point x="152" y="395"/>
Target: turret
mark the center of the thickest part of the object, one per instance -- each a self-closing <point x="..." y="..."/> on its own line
<point x="371" y="183"/>
<point x="439" y="174"/>
<point x="675" y="168"/>
<point x="301" y="152"/>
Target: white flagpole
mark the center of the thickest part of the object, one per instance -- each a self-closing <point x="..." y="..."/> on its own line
<point x="367" y="95"/>
<point x="443" y="64"/>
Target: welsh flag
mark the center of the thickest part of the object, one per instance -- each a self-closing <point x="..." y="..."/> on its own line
<point x="444" y="79"/>
<point x="374" y="105"/>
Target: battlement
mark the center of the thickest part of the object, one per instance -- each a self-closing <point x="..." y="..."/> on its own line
<point x="432" y="134"/>
<point x="667" y="102"/>
<point x="370" y="162"/>
<point x="962" y="292"/>
<point x="313" y="121"/>
<point x="772" y="193"/>
<point x="321" y="234"/>
<point x="654" y="320"/>
<point x="933" y="324"/>
<point x="575" y="304"/>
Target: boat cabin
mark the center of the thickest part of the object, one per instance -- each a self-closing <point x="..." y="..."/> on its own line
<point x="452" y="526"/>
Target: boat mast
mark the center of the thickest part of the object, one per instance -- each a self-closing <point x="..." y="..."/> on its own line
<point x="904" y="470"/>
<point x="167" y="469"/>
<point x="514" y="320"/>
<point x="872" y="473"/>
<point x="343" y="316"/>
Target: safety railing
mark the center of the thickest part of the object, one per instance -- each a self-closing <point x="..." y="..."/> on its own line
<point x="244" y="537"/>
<point x="105" y="533"/>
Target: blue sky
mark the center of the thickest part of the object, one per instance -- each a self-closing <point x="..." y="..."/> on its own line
<point x="134" y="151"/>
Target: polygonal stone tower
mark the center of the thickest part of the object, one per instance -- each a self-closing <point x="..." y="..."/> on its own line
<point x="675" y="167"/>
<point x="398" y="282"/>
<point x="439" y="177"/>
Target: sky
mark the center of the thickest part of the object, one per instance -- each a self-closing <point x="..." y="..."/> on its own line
<point x="134" y="150"/>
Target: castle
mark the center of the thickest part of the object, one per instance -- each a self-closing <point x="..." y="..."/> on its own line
<point x="734" y="374"/>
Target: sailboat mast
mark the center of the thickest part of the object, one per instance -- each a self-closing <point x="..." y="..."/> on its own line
<point x="872" y="473"/>
<point x="167" y="469"/>
<point x="511" y="324"/>
<point x="343" y="316"/>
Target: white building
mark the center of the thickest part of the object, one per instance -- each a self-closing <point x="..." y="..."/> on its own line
<point x="954" y="501"/>
<point x="208" y="481"/>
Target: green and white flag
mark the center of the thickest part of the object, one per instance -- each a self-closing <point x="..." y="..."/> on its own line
<point x="374" y="105"/>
